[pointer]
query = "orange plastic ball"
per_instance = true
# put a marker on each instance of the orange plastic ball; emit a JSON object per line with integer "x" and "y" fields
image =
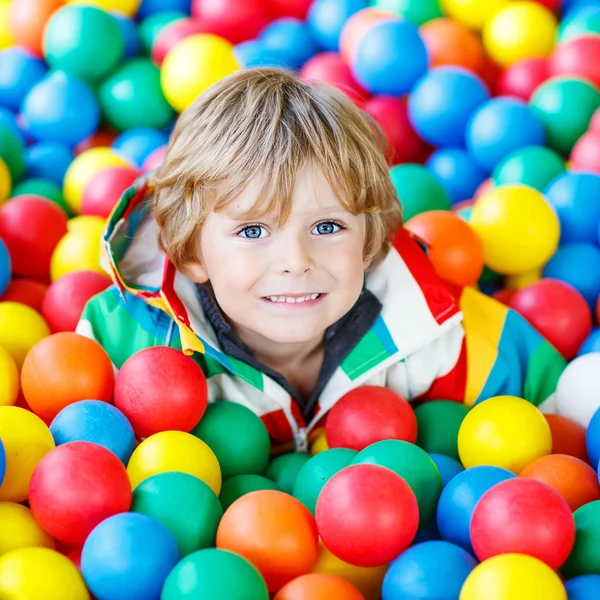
{"x": 450, "y": 43}
{"x": 62, "y": 369}
{"x": 455, "y": 250}
{"x": 568, "y": 437}
{"x": 318, "y": 586}
{"x": 573, "y": 479}
{"x": 27, "y": 20}
{"x": 275, "y": 532}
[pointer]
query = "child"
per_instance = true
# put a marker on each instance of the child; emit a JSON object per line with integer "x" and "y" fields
{"x": 262, "y": 249}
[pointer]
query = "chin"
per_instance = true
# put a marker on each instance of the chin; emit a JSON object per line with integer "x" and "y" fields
{"x": 294, "y": 336}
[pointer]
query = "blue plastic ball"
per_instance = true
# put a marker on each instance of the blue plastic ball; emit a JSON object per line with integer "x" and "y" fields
{"x": 579, "y": 265}
{"x": 2, "y": 462}
{"x": 434, "y": 569}
{"x": 447, "y": 466}
{"x": 97, "y": 422}
{"x": 19, "y": 72}
{"x": 501, "y": 126}
{"x": 9, "y": 120}
{"x": 151, "y": 7}
{"x": 592, "y": 440}
{"x": 592, "y": 343}
{"x": 458, "y": 500}
{"x": 574, "y": 197}
{"x": 253, "y": 53}
{"x": 138, "y": 143}
{"x": 128, "y": 555}
{"x": 61, "y": 108}
{"x": 291, "y": 39}
{"x": 131, "y": 36}
{"x": 5, "y": 267}
{"x": 48, "y": 160}
{"x": 584, "y": 587}
{"x": 442, "y": 102}
{"x": 326, "y": 19}
{"x": 457, "y": 172}
{"x": 390, "y": 58}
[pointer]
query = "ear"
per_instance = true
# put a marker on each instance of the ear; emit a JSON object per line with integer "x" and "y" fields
{"x": 196, "y": 272}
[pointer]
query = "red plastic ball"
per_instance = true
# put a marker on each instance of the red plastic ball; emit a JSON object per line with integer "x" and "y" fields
{"x": 234, "y": 20}
{"x": 522, "y": 78}
{"x": 523, "y": 516}
{"x": 75, "y": 487}
{"x": 103, "y": 137}
{"x": 289, "y": 8}
{"x": 67, "y": 296}
{"x": 595, "y": 122}
{"x": 558, "y": 311}
{"x": 25, "y": 291}
{"x": 161, "y": 389}
{"x": 154, "y": 159}
{"x": 171, "y": 35}
{"x": 579, "y": 57}
{"x": 391, "y": 114}
{"x": 330, "y": 68}
{"x": 31, "y": 226}
{"x": 370, "y": 414}
{"x": 504, "y": 295}
{"x": 585, "y": 155}
{"x": 367, "y": 515}
{"x": 105, "y": 188}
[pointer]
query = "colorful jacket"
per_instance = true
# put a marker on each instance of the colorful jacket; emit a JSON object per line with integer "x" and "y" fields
{"x": 423, "y": 344}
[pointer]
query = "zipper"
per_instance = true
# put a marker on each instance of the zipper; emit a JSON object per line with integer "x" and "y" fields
{"x": 301, "y": 439}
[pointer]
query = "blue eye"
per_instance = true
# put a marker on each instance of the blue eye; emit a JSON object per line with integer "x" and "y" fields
{"x": 327, "y": 228}
{"x": 252, "y": 232}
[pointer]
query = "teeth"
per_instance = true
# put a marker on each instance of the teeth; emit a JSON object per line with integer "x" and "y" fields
{"x": 291, "y": 300}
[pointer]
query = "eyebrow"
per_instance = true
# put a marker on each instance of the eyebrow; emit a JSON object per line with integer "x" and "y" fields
{"x": 247, "y": 215}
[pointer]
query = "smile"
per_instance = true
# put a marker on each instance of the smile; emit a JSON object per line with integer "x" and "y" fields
{"x": 293, "y": 299}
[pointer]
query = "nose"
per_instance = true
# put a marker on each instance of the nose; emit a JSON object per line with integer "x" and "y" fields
{"x": 295, "y": 255}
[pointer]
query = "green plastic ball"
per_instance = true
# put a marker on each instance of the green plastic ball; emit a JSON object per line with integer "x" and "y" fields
{"x": 535, "y": 166}
{"x": 237, "y": 436}
{"x": 132, "y": 97}
{"x": 418, "y": 190}
{"x": 213, "y": 574}
{"x": 414, "y": 465}
{"x": 153, "y": 26}
{"x": 585, "y": 555}
{"x": 284, "y": 469}
{"x": 565, "y": 105}
{"x": 84, "y": 41}
{"x": 438, "y": 424}
{"x": 236, "y": 487}
{"x": 45, "y": 189}
{"x": 317, "y": 471}
{"x": 578, "y": 24}
{"x": 12, "y": 153}
{"x": 185, "y": 504}
{"x": 416, "y": 11}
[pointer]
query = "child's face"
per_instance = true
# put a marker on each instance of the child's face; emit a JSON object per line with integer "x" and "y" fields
{"x": 256, "y": 268}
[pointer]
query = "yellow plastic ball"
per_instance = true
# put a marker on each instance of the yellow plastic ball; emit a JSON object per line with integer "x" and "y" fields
{"x": 21, "y": 328}
{"x": 319, "y": 444}
{"x": 504, "y": 431}
{"x": 83, "y": 169}
{"x": 520, "y": 30}
{"x": 517, "y": 282}
{"x": 126, "y": 7}
{"x": 79, "y": 248}
{"x": 6, "y": 39}
{"x": 40, "y": 574}
{"x": 518, "y": 228}
{"x": 26, "y": 441}
{"x": 174, "y": 451}
{"x": 193, "y": 65}
{"x": 513, "y": 577}
{"x": 5, "y": 182}
{"x": 9, "y": 379}
{"x": 472, "y": 13}
{"x": 19, "y": 529}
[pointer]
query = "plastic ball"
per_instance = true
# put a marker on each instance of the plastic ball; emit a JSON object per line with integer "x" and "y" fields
{"x": 40, "y": 573}
{"x": 130, "y": 35}
{"x": 290, "y": 8}
{"x": 576, "y": 392}
{"x": 418, "y": 189}
{"x": 591, "y": 343}
{"x": 577, "y": 264}
{"x": 97, "y": 422}
{"x": 499, "y": 127}
{"x": 75, "y": 487}
{"x": 27, "y": 20}
{"x": 193, "y": 65}
{"x": 472, "y": 13}
{"x": 577, "y": 58}
{"x": 534, "y": 166}
{"x": 579, "y": 23}
{"x": 455, "y": 250}
{"x": 18, "y": 529}
{"x": 20, "y": 72}
{"x": 172, "y": 35}
{"x": 103, "y": 137}
{"x": 504, "y": 431}
{"x": 6, "y": 39}
{"x": 60, "y": 108}
{"x": 316, "y": 472}
{"x": 442, "y": 102}
{"x": 152, "y": 7}
{"x": 355, "y": 28}
{"x": 558, "y": 311}
{"x": 513, "y": 577}
{"x": 414, "y": 466}
{"x": 215, "y": 574}
{"x": 151, "y": 27}
{"x": 154, "y": 160}
{"x": 584, "y": 587}
{"x": 565, "y": 105}
{"x": 5, "y": 182}
{"x": 585, "y": 155}
{"x": 367, "y": 415}
{"x": 104, "y": 190}
{"x": 127, "y": 7}
{"x": 5, "y": 267}
{"x": 240, "y": 485}
{"x": 327, "y": 18}
{"x": 284, "y": 469}
{"x": 522, "y": 78}
{"x": 274, "y": 531}
{"x": 42, "y": 188}
{"x": 592, "y": 440}
{"x": 11, "y": 153}
{"x": 132, "y": 97}
{"x": 254, "y": 53}
{"x": 359, "y": 529}
{"x": 568, "y": 437}
{"x": 62, "y": 369}
{"x": 174, "y": 451}
{"x": 291, "y": 39}
{"x": 21, "y": 328}
{"x": 434, "y": 569}
{"x": 448, "y": 468}
{"x": 128, "y": 555}
{"x": 416, "y": 11}
{"x": 518, "y": 228}
{"x": 389, "y": 58}
{"x": 9, "y": 380}
{"x": 585, "y": 556}
{"x": 318, "y": 586}
{"x": 136, "y": 144}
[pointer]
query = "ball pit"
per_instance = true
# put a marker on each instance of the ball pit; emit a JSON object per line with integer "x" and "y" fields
{"x": 239, "y": 485}
{"x": 19, "y": 529}
{"x": 318, "y": 586}
{"x": 284, "y": 469}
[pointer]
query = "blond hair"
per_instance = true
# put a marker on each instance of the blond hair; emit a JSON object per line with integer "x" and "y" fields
{"x": 269, "y": 123}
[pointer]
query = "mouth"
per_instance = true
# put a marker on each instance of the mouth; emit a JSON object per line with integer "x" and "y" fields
{"x": 294, "y": 299}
